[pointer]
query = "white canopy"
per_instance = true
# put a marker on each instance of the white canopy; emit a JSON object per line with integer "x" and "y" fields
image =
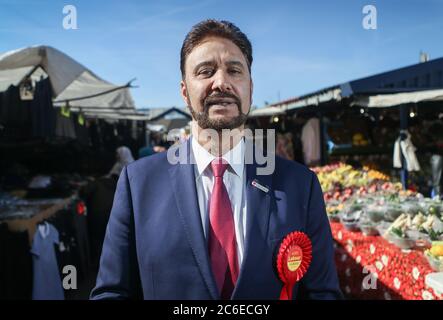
{"x": 395, "y": 99}
{"x": 13, "y": 77}
{"x": 266, "y": 111}
{"x": 69, "y": 80}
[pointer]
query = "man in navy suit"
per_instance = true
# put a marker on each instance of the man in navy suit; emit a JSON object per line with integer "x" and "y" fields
{"x": 209, "y": 227}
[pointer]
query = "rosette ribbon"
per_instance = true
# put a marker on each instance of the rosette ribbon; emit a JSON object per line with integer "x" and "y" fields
{"x": 293, "y": 260}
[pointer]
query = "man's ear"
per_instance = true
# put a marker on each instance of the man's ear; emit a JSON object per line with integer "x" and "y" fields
{"x": 184, "y": 93}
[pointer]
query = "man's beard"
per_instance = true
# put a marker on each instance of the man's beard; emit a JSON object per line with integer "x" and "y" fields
{"x": 205, "y": 122}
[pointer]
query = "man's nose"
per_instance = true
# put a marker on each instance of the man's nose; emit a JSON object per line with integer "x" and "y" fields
{"x": 221, "y": 82}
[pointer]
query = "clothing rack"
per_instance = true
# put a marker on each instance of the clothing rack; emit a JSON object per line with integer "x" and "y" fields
{"x": 30, "y": 224}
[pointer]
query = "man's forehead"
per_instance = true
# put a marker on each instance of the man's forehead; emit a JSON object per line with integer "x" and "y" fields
{"x": 212, "y": 48}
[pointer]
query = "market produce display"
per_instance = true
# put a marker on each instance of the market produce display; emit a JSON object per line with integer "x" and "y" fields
{"x": 369, "y": 267}
{"x": 435, "y": 255}
{"x": 367, "y": 205}
{"x": 341, "y": 175}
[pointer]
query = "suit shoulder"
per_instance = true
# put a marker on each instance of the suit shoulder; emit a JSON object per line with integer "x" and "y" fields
{"x": 156, "y": 161}
{"x": 284, "y": 167}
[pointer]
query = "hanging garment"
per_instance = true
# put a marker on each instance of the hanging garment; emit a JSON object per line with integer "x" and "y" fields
{"x": 15, "y": 114}
{"x": 43, "y": 112}
{"x": 310, "y": 137}
{"x": 436, "y": 167}
{"x": 47, "y": 284}
{"x": 64, "y": 126}
{"x": 406, "y": 148}
{"x": 94, "y": 133}
{"x": 74, "y": 239}
{"x": 11, "y": 105}
{"x": 81, "y": 129}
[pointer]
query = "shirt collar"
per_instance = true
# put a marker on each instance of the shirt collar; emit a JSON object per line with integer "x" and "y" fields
{"x": 235, "y": 157}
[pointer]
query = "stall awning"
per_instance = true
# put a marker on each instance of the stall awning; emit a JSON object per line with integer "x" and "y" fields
{"x": 266, "y": 112}
{"x": 396, "y": 99}
{"x": 116, "y": 116}
{"x": 327, "y": 95}
{"x": 332, "y": 94}
{"x": 69, "y": 79}
{"x": 13, "y": 77}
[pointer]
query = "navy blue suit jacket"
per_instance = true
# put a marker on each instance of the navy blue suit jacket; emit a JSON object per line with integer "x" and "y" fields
{"x": 155, "y": 246}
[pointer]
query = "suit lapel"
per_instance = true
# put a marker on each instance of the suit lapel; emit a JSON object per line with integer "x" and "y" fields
{"x": 258, "y": 211}
{"x": 183, "y": 184}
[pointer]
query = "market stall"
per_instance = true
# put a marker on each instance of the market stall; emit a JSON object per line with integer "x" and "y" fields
{"x": 60, "y": 126}
{"x": 50, "y": 101}
{"x": 38, "y": 240}
{"x": 362, "y": 122}
{"x": 388, "y": 240}
{"x": 369, "y": 267}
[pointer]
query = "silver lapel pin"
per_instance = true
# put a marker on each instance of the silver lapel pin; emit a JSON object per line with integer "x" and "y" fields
{"x": 256, "y": 184}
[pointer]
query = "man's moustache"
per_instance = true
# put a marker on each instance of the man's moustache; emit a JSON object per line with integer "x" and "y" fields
{"x": 214, "y": 99}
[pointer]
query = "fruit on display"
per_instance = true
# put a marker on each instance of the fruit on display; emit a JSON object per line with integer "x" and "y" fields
{"x": 404, "y": 217}
{"x": 399, "y": 226}
{"x": 437, "y": 249}
{"x": 376, "y": 175}
{"x": 364, "y": 203}
{"x": 338, "y": 195}
{"x": 435, "y": 255}
{"x": 336, "y": 188}
{"x": 334, "y": 209}
{"x": 344, "y": 176}
{"x": 418, "y": 226}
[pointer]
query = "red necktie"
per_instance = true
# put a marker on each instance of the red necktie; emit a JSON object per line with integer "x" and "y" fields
{"x": 222, "y": 242}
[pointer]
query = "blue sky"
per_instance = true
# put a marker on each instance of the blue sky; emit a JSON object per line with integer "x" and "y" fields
{"x": 299, "y": 46}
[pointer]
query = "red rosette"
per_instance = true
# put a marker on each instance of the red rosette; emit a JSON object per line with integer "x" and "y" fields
{"x": 293, "y": 260}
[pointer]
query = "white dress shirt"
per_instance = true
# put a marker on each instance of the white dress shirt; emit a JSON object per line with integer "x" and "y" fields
{"x": 235, "y": 181}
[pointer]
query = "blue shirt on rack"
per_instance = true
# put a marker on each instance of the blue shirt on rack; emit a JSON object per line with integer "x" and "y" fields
{"x": 47, "y": 284}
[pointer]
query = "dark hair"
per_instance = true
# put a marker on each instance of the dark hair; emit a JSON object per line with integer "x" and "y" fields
{"x": 210, "y": 27}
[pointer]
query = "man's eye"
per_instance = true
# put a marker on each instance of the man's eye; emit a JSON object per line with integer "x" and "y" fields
{"x": 235, "y": 71}
{"x": 206, "y": 72}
